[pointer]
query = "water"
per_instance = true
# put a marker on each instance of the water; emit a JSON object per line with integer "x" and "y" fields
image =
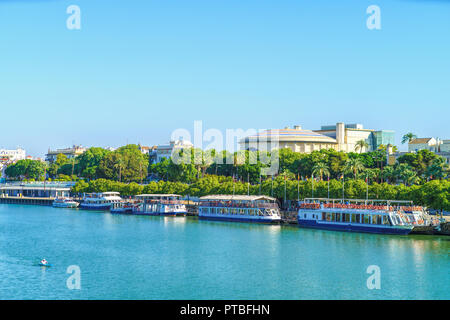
{"x": 137, "y": 257}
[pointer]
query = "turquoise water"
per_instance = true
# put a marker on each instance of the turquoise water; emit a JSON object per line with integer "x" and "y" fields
{"x": 137, "y": 257}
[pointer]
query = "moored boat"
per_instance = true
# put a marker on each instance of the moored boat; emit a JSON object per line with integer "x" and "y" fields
{"x": 261, "y": 209}
{"x": 160, "y": 205}
{"x": 65, "y": 203}
{"x": 125, "y": 207}
{"x": 371, "y": 216}
{"x": 100, "y": 201}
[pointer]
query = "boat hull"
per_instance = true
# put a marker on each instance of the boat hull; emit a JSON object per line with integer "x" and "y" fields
{"x": 354, "y": 228}
{"x": 121, "y": 211}
{"x": 105, "y": 207}
{"x": 166, "y": 214}
{"x": 65, "y": 205}
{"x": 240, "y": 219}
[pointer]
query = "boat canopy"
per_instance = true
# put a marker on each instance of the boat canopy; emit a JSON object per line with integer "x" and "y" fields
{"x": 235, "y": 198}
{"x": 156, "y": 195}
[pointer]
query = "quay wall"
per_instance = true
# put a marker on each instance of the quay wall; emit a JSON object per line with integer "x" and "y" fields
{"x": 27, "y": 200}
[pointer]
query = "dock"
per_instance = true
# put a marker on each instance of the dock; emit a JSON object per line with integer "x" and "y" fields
{"x": 39, "y": 201}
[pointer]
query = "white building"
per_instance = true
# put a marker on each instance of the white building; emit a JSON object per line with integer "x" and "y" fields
{"x": 417, "y": 144}
{"x": 12, "y": 155}
{"x": 70, "y": 153}
{"x": 165, "y": 151}
{"x": 445, "y": 146}
{"x": 340, "y": 137}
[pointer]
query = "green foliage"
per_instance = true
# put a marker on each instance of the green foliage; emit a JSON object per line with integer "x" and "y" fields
{"x": 26, "y": 169}
{"x": 125, "y": 164}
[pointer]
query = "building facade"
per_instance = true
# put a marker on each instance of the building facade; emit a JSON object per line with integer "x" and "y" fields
{"x": 70, "y": 153}
{"x": 417, "y": 144}
{"x": 12, "y": 155}
{"x": 161, "y": 152}
{"x": 339, "y": 137}
{"x": 296, "y": 139}
{"x": 348, "y": 135}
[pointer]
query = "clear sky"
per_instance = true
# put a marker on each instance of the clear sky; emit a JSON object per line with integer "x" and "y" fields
{"x": 139, "y": 69}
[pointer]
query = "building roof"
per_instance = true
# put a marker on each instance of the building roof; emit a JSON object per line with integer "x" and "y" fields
{"x": 290, "y": 135}
{"x": 227, "y": 197}
{"x": 420, "y": 141}
{"x": 156, "y": 195}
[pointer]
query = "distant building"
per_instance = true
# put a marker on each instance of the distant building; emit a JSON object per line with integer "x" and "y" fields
{"x": 445, "y": 146}
{"x": 161, "y": 152}
{"x": 417, "y": 144}
{"x": 339, "y": 137}
{"x": 70, "y": 153}
{"x": 147, "y": 150}
{"x": 296, "y": 139}
{"x": 347, "y": 135}
{"x": 440, "y": 147}
{"x": 12, "y": 155}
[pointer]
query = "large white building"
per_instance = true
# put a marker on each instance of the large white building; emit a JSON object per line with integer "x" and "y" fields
{"x": 70, "y": 153}
{"x": 12, "y": 155}
{"x": 165, "y": 151}
{"x": 340, "y": 137}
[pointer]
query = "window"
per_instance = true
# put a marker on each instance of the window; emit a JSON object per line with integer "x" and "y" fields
{"x": 338, "y": 217}
{"x": 366, "y": 219}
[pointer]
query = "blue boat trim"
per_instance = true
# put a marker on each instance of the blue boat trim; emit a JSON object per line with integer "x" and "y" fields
{"x": 380, "y": 229}
{"x": 263, "y": 221}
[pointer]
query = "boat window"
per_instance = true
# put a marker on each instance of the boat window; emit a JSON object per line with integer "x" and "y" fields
{"x": 333, "y": 217}
{"x": 366, "y": 219}
{"x": 347, "y": 217}
{"x": 386, "y": 220}
{"x": 353, "y": 218}
{"x": 338, "y": 217}
{"x": 324, "y": 216}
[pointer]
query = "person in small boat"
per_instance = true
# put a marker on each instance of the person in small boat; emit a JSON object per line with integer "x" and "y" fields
{"x": 43, "y": 261}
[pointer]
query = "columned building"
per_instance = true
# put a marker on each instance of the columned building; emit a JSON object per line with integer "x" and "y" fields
{"x": 296, "y": 139}
{"x": 340, "y": 137}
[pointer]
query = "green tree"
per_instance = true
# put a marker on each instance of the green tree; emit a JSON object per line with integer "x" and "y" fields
{"x": 354, "y": 166}
{"x": 321, "y": 169}
{"x": 361, "y": 145}
{"x": 408, "y": 137}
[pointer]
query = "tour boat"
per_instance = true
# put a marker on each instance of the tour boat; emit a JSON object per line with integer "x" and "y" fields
{"x": 100, "y": 201}
{"x": 160, "y": 205}
{"x": 64, "y": 203}
{"x": 261, "y": 209}
{"x": 372, "y": 216}
{"x": 122, "y": 207}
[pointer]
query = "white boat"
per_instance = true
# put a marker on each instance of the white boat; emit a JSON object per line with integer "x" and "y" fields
{"x": 261, "y": 209}
{"x": 100, "y": 201}
{"x": 160, "y": 205}
{"x": 64, "y": 203}
{"x": 372, "y": 216}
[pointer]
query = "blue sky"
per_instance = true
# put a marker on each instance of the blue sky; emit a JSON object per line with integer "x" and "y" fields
{"x": 137, "y": 70}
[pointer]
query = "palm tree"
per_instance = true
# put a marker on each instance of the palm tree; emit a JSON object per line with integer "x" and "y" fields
{"x": 437, "y": 170}
{"x": 408, "y": 137}
{"x": 354, "y": 165}
{"x": 361, "y": 144}
{"x": 320, "y": 169}
{"x": 119, "y": 165}
{"x": 388, "y": 174}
